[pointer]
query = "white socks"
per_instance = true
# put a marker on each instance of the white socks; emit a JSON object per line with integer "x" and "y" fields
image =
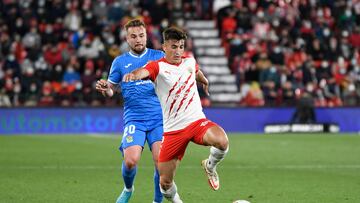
{"x": 171, "y": 194}
{"x": 129, "y": 189}
{"x": 216, "y": 155}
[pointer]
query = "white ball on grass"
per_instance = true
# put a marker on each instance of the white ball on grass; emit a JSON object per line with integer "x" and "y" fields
{"x": 241, "y": 201}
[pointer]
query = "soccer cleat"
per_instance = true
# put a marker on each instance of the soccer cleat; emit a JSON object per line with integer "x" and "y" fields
{"x": 124, "y": 196}
{"x": 213, "y": 177}
{"x": 177, "y": 199}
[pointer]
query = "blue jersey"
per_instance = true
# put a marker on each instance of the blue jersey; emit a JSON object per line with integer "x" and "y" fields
{"x": 140, "y": 100}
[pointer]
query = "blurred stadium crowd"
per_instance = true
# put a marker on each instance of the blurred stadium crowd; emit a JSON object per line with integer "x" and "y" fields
{"x": 52, "y": 51}
{"x": 282, "y": 50}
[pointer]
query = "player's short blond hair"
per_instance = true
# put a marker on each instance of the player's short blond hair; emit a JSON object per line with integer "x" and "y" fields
{"x": 134, "y": 23}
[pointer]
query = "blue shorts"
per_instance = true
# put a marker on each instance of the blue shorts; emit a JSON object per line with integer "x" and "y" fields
{"x": 137, "y": 132}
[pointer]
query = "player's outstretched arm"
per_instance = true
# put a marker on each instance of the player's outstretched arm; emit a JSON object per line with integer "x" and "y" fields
{"x": 105, "y": 88}
{"x": 137, "y": 74}
{"x": 200, "y": 77}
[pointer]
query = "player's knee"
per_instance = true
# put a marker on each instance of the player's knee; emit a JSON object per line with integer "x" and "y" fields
{"x": 165, "y": 183}
{"x": 130, "y": 163}
{"x": 222, "y": 143}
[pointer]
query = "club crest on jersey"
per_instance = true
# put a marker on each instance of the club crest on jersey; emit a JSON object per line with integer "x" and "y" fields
{"x": 129, "y": 139}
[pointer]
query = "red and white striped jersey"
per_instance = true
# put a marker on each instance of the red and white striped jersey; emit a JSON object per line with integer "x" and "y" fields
{"x": 175, "y": 86}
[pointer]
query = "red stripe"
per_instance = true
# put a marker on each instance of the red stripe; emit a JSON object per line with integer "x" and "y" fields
{"x": 190, "y": 101}
{"x": 182, "y": 101}
{"x": 178, "y": 92}
{"x": 184, "y": 85}
{"x": 172, "y": 89}
{"x": 171, "y": 106}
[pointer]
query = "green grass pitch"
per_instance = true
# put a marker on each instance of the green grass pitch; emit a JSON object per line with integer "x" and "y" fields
{"x": 293, "y": 168}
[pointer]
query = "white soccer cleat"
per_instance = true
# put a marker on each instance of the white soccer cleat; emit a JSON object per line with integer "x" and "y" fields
{"x": 177, "y": 199}
{"x": 213, "y": 177}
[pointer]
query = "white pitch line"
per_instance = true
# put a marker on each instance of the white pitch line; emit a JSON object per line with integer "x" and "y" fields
{"x": 106, "y": 136}
{"x": 60, "y": 167}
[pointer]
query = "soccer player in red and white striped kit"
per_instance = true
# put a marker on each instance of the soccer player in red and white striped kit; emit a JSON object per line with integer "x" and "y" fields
{"x": 175, "y": 80}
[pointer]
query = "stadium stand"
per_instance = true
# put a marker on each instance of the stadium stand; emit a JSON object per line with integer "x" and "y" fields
{"x": 280, "y": 50}
{"x": 255, "y": 53}
{"x": 212, "y": 60}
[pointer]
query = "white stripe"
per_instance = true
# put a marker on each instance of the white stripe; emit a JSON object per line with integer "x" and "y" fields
{"x": 113, "y": 82}
{"x": 107, "y": 136}
{"x": 138, "y": 56}
{"x": 57, "y": 167}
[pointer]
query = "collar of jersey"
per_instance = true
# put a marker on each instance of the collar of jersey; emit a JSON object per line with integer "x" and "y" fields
{"x": 138, "y": 56}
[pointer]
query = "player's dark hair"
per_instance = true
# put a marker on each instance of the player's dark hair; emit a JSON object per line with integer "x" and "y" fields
{"x": 134, "y": 23}
{"x": 174, "y": 33}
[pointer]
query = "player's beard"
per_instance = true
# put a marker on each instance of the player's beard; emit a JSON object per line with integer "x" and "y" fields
{"x": 138, "y": 49}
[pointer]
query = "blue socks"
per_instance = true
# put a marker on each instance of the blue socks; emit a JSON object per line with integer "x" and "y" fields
{"x": 157, "y": 193}
{"x": 128, "y": 175}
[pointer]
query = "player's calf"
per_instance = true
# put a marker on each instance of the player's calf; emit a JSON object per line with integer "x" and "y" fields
{"x": 171, "y": 193}
{"x": 216, "y": 155}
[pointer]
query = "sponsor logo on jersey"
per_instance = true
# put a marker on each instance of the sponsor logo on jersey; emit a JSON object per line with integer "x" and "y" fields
{"x": 128, "y": 65}
{"x": 143, "y": 82}
{"x": 129, "y": 139}
{"x": 204, "y": 123}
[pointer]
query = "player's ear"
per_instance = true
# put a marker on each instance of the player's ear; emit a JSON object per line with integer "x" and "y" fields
{"x": 164, "y": 46}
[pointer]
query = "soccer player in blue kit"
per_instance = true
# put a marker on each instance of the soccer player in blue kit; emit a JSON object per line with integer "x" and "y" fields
{"x": 142, "y": 111}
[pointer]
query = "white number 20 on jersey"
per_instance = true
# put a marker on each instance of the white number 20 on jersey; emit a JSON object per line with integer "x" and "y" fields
{"x": 129, "y": 129}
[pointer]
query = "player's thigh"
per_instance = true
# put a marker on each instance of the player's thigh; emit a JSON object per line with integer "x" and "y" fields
{"x": 132, "y": 154}
{"x": 155, "y": 133}
{"x": 155, "y": 148}
{"x": 167, "y": 170}
{"x": 216, "y": 136}
{"x": 133, "y": 140}
{"x": 154, "y": 137}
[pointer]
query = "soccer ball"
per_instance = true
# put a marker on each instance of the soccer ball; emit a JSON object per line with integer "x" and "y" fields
{"x": 241, "y": 201}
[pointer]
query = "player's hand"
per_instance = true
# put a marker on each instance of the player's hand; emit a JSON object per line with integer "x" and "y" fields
{"x": 129, "y": 77}
{"x": 102, "y": 86}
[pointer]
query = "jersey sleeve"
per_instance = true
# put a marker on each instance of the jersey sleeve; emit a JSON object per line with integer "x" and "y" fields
{"x": 153, "y": 68}
{"x": 115, "y": 73}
